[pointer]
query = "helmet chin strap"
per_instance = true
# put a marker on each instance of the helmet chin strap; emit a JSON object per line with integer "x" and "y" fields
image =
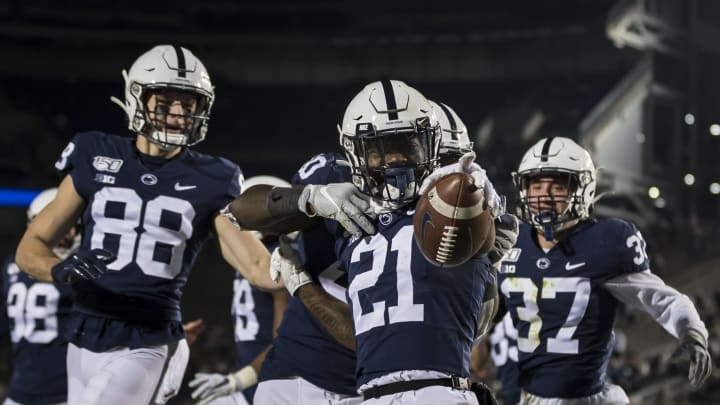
{"x": 546, "y": 220}
{"x": 399, "y": 182}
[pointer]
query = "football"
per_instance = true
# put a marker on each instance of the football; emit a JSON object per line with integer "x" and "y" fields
{"x": 450, "y": 222}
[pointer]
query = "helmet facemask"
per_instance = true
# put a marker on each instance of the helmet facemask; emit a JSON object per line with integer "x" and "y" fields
{"x": 391, "y": 164}
{"x": 545, "y": 212}
{"x": 174, "y": 117}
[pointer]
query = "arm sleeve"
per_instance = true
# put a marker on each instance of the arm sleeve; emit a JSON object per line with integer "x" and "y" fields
{"x": 671, "y": 309}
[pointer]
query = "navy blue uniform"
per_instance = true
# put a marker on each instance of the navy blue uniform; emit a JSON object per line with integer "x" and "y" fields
{"x": 36, "y": 311}
{"x": 154, "y": 215}
{"x": 563, "y": 315}
{"x": 253, "y": 314}
{"x": 504, "y": 353}
{"x": 303, "y": 347}
{"x": 408, "y": 313}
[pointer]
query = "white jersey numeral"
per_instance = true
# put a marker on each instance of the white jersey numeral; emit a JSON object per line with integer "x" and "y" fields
{"x": 243, "y": 310}
{"x": 405, "y": 310}
{"x": 26, "y": 306}
{"x": 563, "y": 342}
{"x": 502, "y": 349}
{"x": 311, "y": 166}
{"x": 146, "y": 226}
{"x": 637, "y": 243}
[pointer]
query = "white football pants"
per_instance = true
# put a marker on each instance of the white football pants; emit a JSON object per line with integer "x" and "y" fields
{"x": 118, "y": 377}
{"x": 296, "y": 391}
{"x": 610, "y": 395}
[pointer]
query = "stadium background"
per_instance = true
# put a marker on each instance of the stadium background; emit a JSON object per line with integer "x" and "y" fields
{"x": 634, "y": 81}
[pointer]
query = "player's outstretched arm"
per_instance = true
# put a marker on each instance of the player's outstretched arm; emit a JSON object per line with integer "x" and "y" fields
{"x": 34, "y": 253}
{"x": 245, "y": 253}
{"x": 261, "y": 208}
{"x": 280, "y": 210}
{"x": 674, "y": 311}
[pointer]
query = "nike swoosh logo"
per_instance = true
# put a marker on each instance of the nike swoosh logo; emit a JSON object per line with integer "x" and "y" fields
{"x": 426, "y": 220}
{"x": 178, "y": 187}
{"x": 569, "y": 266}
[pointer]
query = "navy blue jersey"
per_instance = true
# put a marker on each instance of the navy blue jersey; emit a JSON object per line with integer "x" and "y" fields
{"x": 504, "y": 354}
{"x": 408, "y": 313}
{"x": 36, "y": 311}
{"x": 563, "y": 315}
{"x": 155, "y": 220}
{"x": 303, "y": 347}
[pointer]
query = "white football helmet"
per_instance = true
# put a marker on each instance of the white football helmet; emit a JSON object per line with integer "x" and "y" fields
{"x": 71, "y": 241}
{"x": 391, "y": 137}
{"x": 557, "y": 156}
{"x": 167, "y": 67}
{"x": 455, "y": 141}
{"x": 267, "y": 180}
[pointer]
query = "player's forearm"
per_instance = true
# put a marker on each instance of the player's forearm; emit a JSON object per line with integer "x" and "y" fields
{"x": 671, "y": 309}
{"x": 34, "y": 257}
{"x": 247, "y": 255}
{"x": 271, "y": 210}
{"x": 332, "y": 313}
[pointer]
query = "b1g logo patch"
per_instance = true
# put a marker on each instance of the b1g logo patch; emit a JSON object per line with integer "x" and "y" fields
{"x": 107, "y": 164}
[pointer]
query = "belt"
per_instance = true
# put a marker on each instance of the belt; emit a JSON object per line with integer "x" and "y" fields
{"x": 458, "y": 383}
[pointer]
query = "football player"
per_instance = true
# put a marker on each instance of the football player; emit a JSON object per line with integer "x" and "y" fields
{"x": 256, "y": 315}
{"x": 312, "y": 359}
{"x": 414, "y": 323}
{"x": 566, "y": 275}
{"x": 36, "y": 311}
{"x": 148, "y": 204}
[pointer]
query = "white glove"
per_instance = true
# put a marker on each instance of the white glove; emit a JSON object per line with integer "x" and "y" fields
{"x": 212, "y": 386}
{"x": 693, "y": 347}
{"x": 342, "y": 202}
{"x": 466, "y": 164}
{"x": 285, "y": 264}
{"x": 506, "y": 233}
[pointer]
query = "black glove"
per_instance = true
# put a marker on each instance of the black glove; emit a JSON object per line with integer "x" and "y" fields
{"x": 483, "y": 393}
{"x": 82, "y": 266}
{"x": 693, "y": 347}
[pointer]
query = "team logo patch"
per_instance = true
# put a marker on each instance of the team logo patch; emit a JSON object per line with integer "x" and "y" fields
{"x": 104, "y": 178}
{"x": 386, "y": 218}
{"x": 149, "y": 179}
{"x": 543, "y": 263}
{"x": 107, "y": 164}
{"x": 512, "y": 255}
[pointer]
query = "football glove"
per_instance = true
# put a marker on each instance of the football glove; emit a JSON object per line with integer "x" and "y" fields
{"x": 693, "y": 347}
{"x": 506, "y": 233}
{"x": 209, "y": 387}
{"x": 342, "y": 202}
{"x": 285, "y": 264}
{"x": 466, "y": 164}
{"x": 82, "y": 265}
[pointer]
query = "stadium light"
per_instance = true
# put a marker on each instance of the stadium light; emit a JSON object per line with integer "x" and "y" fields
{"x": 653, "y": 192}
{"x": 714, "y": 129}
{"x": 689, "y": 119}
{"x": 689, "y": 179}
{"x": 715, "y": 188}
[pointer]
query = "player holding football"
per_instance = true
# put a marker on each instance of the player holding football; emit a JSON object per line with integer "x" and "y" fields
{"x": 565, "y": 277}
{"x": 148, "y": 204}
{"x": 394, "y": 149}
